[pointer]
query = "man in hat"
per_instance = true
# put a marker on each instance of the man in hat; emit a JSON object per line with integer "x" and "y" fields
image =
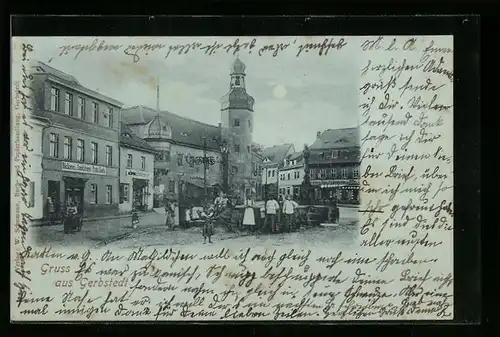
{"x": 272, "y": 209}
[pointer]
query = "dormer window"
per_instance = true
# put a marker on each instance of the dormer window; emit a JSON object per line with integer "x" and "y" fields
{"x": 184, "y": 134}
{"x": 126, "y": 135}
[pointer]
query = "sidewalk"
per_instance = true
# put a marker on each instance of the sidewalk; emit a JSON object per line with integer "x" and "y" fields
{"x": 44, "y": 222}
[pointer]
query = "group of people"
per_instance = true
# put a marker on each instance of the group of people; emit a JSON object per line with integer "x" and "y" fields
{"x": 284, "y": 214}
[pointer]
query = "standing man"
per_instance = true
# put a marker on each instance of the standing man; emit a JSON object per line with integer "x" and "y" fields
{"x": 169, "y": 214}
{"x": 272, "y": 208}
{"x": 289, "y": 207}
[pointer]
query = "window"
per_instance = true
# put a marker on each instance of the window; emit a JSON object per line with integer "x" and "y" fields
{"x": 333, "y": 173}
{"x": 343, "y": 173}
{"x": 355, "y": 172}
{"x": 234, "y": 169}
{"x": 80, "y": 150}
{"x": 93, "y": 193}
{"x": 54, "y": 145}
{"x": 249, "y": 123}
{"x": 81, "y": 107}
{"x": 171, "y": 186}
{"x": 272, "y": 173}
{"x": 236, "y": 148}
{"x": 335, "y": 154}
{"x": 322, "y": 173}
{"x": 236, "y": 122}
{"x": 143, "y": 163}
{"x": 288, "y": 176}
{"x": 268, "y": 173}
{"x": 68, "y": 148}
{"x": 68, "y": 104}
{"x": 54, "y": 99}
{"x": 248, "y": 149}
{"x": 110, "y": 117}
{"x": 237, "y": 81}
{"x": 109, "y": 155}
{"x": 179, "y": 159}
{"x": 312, "y": 173}
{"x": 95, "y": 153}
{"x": 31, "y": 194}
{"x": 129, "y": 161}
{"x": 124, "y": 193}
{"x": 109, "y": 194}
{"x": 288, "y": 190}
{"x": 95, "y": 112}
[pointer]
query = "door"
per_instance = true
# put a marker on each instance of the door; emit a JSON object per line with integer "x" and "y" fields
{"x": 54, "y": 190}
{"x": 75, "y": 194}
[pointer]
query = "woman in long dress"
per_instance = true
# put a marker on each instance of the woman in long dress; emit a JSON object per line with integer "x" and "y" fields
{"x": 249, "y": 215}
{"x": 208, "y": 230}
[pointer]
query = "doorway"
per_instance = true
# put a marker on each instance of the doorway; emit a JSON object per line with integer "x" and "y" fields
{"x": 140, "y": 193}
{"x": 74, "y": 191}
{"x": 54, "y": 193}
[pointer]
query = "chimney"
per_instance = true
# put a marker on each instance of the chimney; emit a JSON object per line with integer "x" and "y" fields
{"x": 318, "y": 134}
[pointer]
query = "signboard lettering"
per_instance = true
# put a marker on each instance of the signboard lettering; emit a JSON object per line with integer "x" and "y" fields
{"x": 83, "y": 168}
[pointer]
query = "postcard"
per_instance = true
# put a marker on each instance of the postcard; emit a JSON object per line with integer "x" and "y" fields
{"x": 266, "y": 178}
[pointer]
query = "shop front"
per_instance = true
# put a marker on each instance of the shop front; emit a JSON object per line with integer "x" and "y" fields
{"x": 342, "y": 191}
{"x": 135, "y": 190}
{"x": 92, "y": 187}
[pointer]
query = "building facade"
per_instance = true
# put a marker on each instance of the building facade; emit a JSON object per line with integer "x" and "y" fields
{"x": 291, "y": 175}
{"x": 334, "y": 164}
{"x": 80, "y": 145}
{"x": 35, "y": 198}
{"x": 273, "y": 161}
{"x": 136, "y": 172}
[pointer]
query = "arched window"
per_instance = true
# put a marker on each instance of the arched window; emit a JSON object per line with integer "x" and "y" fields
{"x": 237, "y": 81}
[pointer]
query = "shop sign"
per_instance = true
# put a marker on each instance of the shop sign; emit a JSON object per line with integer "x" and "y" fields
{"x": 83, "y": 168}
{"x": 137, "y": 173}
{"x": 334, "y": 183}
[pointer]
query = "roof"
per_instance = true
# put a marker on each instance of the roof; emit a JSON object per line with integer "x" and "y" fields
{"x": 294, "y": 156}
{"x": 158, "y": 128}
{"x": 184, "y": 130}
{"x": 238, "y": 98}
{"x": 238, "y": 67}
{"x": 276, "y": 153}
{"x": 128, "y": 138}
{"x": 337, "y": 138}
{"x": 70, "y": 80}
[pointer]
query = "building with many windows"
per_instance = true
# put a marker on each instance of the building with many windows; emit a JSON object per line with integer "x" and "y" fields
{"x": 195, "y": 160}
{"x": 273, "y": 161}
{"x": 291, "y": 175}
{"x": 80, "y": 145}
{"x": 136, "y": 172}
{"x": 334, "y": 165}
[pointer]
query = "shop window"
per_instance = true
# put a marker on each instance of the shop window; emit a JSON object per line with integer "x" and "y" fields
{"x": 129, "y": 160}
{"x": 55, "y": 99}
{"x": 124, "y": 193}
{"x": 93, "y": 193}
{"x": 68, "y": 148}
{"x": 54, "y": 145}
{"x": 109, "y": 194}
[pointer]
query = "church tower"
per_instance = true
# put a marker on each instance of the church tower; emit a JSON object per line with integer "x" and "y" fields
{"x": 237, "y": 127}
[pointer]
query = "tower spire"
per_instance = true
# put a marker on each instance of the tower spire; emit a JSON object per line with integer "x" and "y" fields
{"x": 158, "y": 96}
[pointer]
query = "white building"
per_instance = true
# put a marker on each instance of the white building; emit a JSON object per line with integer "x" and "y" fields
{"x": 273, "y": 159}
{"x": 291, "y": 175}
{"x": 35, "y": 198}
{"x": 136, "y": 172}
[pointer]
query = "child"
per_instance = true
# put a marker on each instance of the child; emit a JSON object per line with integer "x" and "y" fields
{"x": 208, "y": 229}
{"x": 135, "y": 219}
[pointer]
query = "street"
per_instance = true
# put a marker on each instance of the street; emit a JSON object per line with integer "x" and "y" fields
{"x": 118, "y": 233}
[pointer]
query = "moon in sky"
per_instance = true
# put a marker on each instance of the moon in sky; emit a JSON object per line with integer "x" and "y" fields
{"x": 279, "y": 91}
